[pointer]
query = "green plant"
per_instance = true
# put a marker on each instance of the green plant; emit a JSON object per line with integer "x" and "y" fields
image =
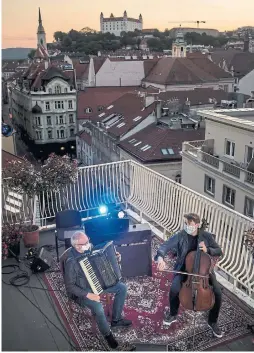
{"x": 249, "y": 240}
{"x": 30, "y": 180}
{"x": 11, "y": 235}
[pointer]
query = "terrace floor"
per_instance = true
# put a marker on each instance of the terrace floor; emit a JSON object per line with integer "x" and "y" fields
{"x": 26, "y": 312}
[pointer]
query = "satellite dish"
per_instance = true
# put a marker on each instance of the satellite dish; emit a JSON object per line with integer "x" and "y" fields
{"x": 7, "y": 130}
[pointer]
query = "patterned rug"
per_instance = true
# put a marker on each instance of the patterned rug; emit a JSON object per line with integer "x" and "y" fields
{"x": 145, "y": 305}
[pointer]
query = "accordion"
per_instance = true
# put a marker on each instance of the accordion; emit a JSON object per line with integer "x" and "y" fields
{"x": 101, "y": 267}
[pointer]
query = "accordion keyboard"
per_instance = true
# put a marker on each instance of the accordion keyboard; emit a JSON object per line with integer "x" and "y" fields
{"x": 91, "y": 277}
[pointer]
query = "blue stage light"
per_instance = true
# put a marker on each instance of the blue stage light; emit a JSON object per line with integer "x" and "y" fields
{"x": 103, "y": 210}
{"x": 121, "y": 214}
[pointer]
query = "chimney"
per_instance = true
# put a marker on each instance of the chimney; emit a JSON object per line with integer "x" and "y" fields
{"x": 149, "y": 100}
{"x": 252, "y": 94}
{"x": 158, "y": 109}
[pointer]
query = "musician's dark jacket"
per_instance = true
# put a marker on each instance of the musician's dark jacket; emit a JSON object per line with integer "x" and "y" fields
{"x": 76, "y": 284}
{"x": 178, "y": 243}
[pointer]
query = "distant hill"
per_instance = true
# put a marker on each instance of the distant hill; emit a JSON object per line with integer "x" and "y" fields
{"x": 15, "y": 53}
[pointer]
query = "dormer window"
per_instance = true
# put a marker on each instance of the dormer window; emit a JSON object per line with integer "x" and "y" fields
{"x": 57, "y": 89}
{"x": 50, "y": 90}
{"x": 65, "y": 90}
{"x": 88, "y": 110}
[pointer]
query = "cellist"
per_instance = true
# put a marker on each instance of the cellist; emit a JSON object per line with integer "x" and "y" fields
{"x": 181, "y": 243}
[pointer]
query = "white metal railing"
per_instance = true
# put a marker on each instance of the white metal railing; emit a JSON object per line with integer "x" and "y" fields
{"x": 162, "y": 201}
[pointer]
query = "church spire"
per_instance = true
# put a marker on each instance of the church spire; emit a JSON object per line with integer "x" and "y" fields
{"x": 40, "y": 21}
{"x": 41, "y": 35}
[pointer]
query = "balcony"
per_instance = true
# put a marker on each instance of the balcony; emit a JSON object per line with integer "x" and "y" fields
{"x": 147, "y": 197}
{"x": 193, "y": 149}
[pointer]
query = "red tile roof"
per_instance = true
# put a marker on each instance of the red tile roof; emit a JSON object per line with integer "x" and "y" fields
{"x": 130, "y": 106}
{"x": 159, "y": 138}
{"x": 7, "y": 157}
{"x": 242, "y": 62}
{"x": 95, "y": 97}
{"x": 171, "y": 71}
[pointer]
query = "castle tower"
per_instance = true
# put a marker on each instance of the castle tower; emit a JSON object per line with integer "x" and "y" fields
{"x": 140, "y": 18}
{"x": 179, "y": 46}
{"x": 125, "y": 14}
{"x": 101, "y": 21}
{"x": 41, "y": 35}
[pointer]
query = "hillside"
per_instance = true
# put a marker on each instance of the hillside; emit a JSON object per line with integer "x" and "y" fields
{"x": 15, "y": 53}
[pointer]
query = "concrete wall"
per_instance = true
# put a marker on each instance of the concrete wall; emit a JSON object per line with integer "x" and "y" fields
{"x": 246, "y": 84}
{"x": 120, "y": 73}
{"x": 221, "y": 132}
{"x": 193, "y": 176}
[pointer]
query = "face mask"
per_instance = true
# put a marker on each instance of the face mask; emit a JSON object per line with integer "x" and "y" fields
{"x": 189, "y": 229}
{"x": 85, "y": 247}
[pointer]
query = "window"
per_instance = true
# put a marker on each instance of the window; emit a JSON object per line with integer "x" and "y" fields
{"x": 166, "y": 151}
{"x": 71, "y": 120}
{"x": 209, "y": 185}
{"x": 72, "y": 132}
{"x": 38, "y": 135}
{"x": 228, "y": 197}
{"x": 65, "y": 90}
{"x": 57, "y": 89}
{"x": 37, "y": 120}
{"x": 230, "y": 148}
{"x": 47, "y": 106}
{"x": 61, "y": 119}
{"x": 59, "y": 104}
{"x": 100, "y": 108}
{"x": 70, "y": 106}
{"x": 49, "y": 120}
{"x": 60, "y": 134}
{"x": 50, "y": 134}
{"x": 249, "y": 207}
{"x": 88, "y": 110}
{"x": 50, "y": 91}
{"x": 249, "y": 154}
{"x": 56, "y": 120}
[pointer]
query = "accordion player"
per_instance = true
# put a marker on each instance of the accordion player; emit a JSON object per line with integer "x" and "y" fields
{"x": 101, "y": 267}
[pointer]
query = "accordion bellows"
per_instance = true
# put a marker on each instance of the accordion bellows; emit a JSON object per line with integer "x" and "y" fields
{"x": 101, "y": 267}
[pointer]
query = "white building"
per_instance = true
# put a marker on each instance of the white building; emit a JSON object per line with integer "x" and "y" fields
{"x": 43, "y": 103}
{"x": 246, "y": 84}
{"x": 220, "y": 167}
{"x": 116, "y": 25}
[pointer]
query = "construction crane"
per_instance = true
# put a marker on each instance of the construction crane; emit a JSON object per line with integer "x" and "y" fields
{"x": 180, "y": 25}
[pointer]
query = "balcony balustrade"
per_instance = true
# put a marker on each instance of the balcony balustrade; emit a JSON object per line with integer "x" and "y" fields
{"x": 152, "y": 196}
{"x": 221, "y": 165}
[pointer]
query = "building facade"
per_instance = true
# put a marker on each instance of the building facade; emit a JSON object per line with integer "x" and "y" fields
{"x": 221, "y": 166}
{"x": 116, "y": 25}
{"x": 43, "y": 104}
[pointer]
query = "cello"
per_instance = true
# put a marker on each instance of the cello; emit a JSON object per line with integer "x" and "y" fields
{"x": 196, "y": 293}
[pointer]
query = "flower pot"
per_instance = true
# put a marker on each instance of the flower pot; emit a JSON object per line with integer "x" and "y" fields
{"x": 14, "y": 249}
{"x": 31, "y": 238}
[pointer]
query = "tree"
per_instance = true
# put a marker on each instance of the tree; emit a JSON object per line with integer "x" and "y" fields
{"x": 59, "y": 36}
{"x": 67, "y": 41}
{"x": 31, "y": 54}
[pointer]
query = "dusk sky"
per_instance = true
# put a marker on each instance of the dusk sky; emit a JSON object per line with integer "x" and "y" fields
{"x": 20, "y": 17}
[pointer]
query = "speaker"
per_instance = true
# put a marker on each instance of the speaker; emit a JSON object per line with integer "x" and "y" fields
{"x": 98, "y": 229}
{"x": 42, "y": 261}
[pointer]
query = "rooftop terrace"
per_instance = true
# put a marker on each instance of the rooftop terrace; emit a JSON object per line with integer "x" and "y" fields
{"x": 147, "y": 197}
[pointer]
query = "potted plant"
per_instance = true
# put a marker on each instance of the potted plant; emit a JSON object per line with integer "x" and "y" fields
{"x": 11, "y": 236}
{"x": 32, "y": 181}
{"x": 249, "y": 240}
